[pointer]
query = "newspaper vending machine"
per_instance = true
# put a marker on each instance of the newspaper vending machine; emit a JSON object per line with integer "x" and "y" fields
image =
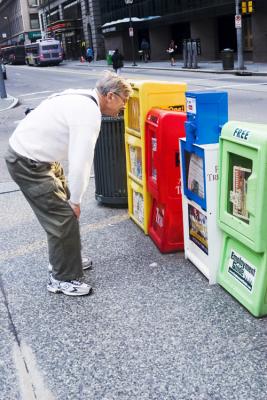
{"x": 243, "y": 214}
{"x": 206, "y": 113}
{"x": 146, "y": 94}
{"x": 163, "y": 130}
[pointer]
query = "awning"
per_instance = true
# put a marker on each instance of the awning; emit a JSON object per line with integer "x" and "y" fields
{"x": 127, "y": 20}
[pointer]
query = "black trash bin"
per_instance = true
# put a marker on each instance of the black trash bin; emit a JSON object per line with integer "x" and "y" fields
{"x": 110, "y": 163}
{"x": 228, "y": 58}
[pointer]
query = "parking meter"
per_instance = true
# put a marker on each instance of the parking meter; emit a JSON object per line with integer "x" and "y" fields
{"x": 185, "y": 53}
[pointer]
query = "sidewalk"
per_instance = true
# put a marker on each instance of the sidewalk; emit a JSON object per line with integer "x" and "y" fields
{"x": 215, "y": 67}
{"x": 7, "y": 103}
{"x": 154, "y": 329}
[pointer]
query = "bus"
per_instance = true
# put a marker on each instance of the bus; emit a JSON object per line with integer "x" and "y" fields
{"x": 13, "y": 54}
{"x": 44, "y": 52}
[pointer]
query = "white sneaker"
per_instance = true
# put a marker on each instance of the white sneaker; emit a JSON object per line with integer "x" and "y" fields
{"x": 70, "y": 288}
{"x": 87, "y": 263}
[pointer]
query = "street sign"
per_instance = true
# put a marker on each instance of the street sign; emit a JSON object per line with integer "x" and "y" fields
{"x": 238, "y": 21}
{"x": 131, "y": 32}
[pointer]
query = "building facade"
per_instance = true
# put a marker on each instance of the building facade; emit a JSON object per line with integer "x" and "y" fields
{"x": 212, "y": 22}
{"x": 19, "y": 22}
{"x": 104, "y": 25}
{"x": 75, "y": 23}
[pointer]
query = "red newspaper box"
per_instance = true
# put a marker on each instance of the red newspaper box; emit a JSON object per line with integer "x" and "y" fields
{"x": 163, "y": 130}
{"x": 166, "y": 226}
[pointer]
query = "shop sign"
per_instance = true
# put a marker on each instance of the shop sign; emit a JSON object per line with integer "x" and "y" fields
{"x": 34, "y": 35}
{"x": 64, "y": 25}
{"x": 111, "y": 29}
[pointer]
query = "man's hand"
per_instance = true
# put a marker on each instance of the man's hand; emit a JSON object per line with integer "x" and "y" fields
{"x": 76, "y": 209}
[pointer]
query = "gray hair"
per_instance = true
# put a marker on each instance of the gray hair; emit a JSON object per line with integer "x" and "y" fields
{"x": 112, "y": 82}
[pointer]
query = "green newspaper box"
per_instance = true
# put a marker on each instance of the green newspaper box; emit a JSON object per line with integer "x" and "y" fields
{"x": 242, "y": 213}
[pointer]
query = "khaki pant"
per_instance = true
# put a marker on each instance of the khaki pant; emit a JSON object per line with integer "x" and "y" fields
{"x": 44, "y": 187}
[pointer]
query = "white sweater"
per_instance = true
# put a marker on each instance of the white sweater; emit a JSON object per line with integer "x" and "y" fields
{"x": 62, "y": 128}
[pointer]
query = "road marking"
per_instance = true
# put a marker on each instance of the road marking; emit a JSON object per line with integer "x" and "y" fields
{"x": 31, "y": 94}
{"x": 65, "y": 71}
{"x": 34, "y": 98}
{"x": 229, "y": 86}
{"x": 32, "y": 385}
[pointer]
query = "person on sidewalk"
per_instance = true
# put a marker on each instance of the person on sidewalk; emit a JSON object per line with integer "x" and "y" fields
{"x": 171, "y": 50}
{"x": 65, "y": 126}
{"x": 89, "y": 54}
{"x": 145, "y": 49}
{"x": 117, "y": 61}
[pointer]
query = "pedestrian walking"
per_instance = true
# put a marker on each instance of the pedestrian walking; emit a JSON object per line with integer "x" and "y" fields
{"x": 171, "y": 50}
{"x": 65, "y": 126}
{"x": 117, "y": 61}
{"x": 89, "y": 54}
{"x": 145, "y": 49}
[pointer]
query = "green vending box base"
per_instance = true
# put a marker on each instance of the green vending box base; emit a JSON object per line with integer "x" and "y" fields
{"x": 243, "y": 273}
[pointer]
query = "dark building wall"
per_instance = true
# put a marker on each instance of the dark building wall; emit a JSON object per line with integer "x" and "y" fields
{"x": 259, "y": 32}
{"x": 159, "y": 40}
{"x": 206, "y": 31}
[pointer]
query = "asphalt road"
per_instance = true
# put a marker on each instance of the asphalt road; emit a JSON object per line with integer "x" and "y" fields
{"x": 154, "y": 329}
{"x": 247, "y": 95}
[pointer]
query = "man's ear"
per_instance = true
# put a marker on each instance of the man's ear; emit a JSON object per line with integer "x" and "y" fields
{"x": 109, "y": 96}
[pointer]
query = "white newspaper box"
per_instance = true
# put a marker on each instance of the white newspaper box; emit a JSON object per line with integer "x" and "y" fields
{"x": 199, "y": 178}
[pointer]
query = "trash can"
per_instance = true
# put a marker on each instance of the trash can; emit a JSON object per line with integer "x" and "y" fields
{"x": 228, "y": 58}
{"x": 109, "y": 56}
{"x": 110, "y": 163}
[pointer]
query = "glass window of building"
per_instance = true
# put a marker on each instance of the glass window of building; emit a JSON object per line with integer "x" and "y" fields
{"x": 34, "y": 21}
{"x": 33, "y": 3}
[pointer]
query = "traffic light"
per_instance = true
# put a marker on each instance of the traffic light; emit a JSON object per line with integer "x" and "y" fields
{"x": 244, "y": 7}
{"x": 250, "y": 6}
{"x": 247, "y": 6}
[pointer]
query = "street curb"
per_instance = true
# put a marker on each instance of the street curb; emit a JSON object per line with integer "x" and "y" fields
{"x": 12, "y": 105}
{"x": 211, "y": 71}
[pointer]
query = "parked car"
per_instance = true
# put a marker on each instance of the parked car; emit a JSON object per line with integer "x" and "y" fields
{"x": 3, "y": 70}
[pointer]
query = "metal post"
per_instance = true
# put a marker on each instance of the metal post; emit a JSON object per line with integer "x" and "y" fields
{"x": 2, "y": 85}
{"x": 239, "y": 38}
{"x": 189, "y": 53}
{"x": 185, "y": 53}
{"x": 132, "y": 33}
{"x": 8, "y": 29}
{"x": 194, "y": 54}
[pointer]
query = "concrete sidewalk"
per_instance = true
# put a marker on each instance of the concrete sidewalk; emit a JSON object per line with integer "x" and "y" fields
{"x": 8, "y": 102}
{"x": 153, "y": 329}
{"x": 251, "y": 68}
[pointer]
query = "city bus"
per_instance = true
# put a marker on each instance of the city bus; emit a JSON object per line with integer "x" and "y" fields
{"x": 13, "y": 54}
{"x": 44, "y": 52}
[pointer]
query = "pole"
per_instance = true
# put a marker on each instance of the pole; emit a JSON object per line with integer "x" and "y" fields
{"x": 2, "y": 85}
{"x": 239, "y": 39}
{"x": 132, "y": 33}
{"x": 8, "y": 30}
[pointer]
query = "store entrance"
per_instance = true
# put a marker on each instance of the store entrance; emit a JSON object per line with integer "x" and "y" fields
{"x": 73, "y": 46}
{"x": 179, "y": 32}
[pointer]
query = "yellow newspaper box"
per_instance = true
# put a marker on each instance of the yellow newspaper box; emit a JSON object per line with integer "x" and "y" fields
{"x": 146, "y": 94}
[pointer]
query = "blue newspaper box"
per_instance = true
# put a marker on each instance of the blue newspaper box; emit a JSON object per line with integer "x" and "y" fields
{"x": 206, "y": 114}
